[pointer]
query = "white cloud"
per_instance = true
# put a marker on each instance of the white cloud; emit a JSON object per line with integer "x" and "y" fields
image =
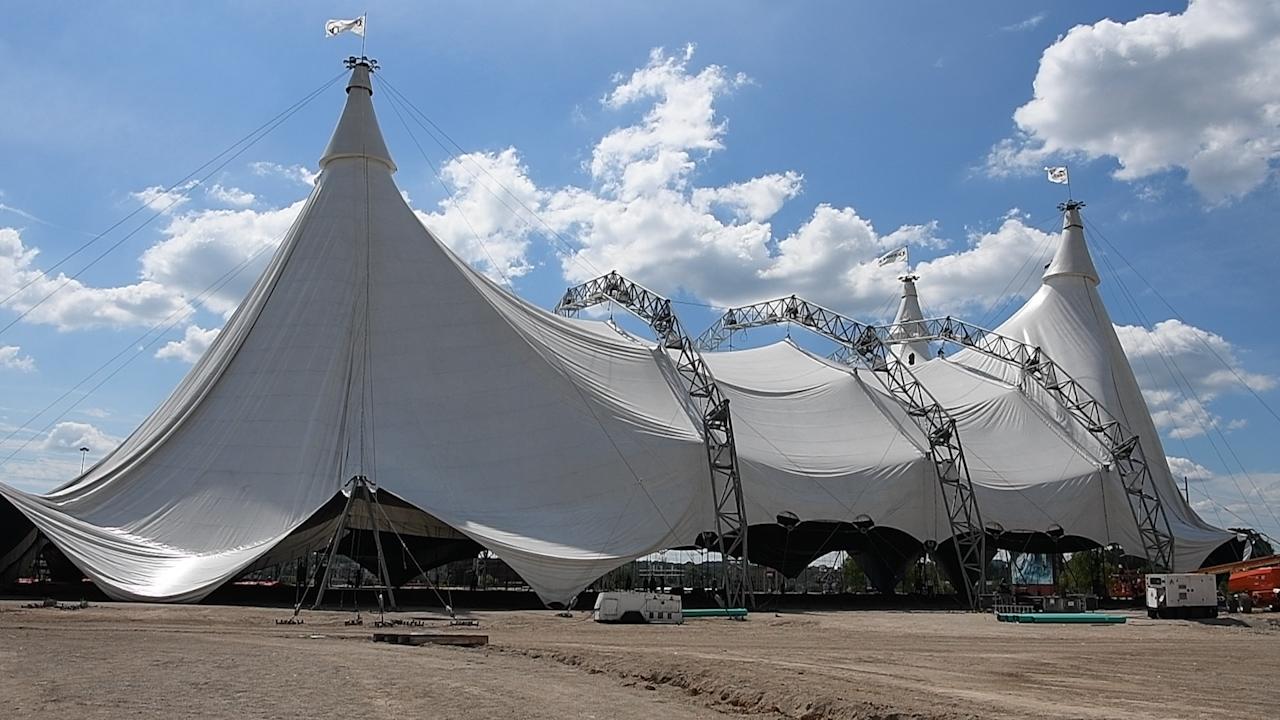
{"x": 11, "y": 358}
{"x": 165, "y": 201}
{"x": 1198, "y": 91}
{"x": 1028, "y": 24}
{"x": 296, "y": 173}
{"x": 1174, "y": 355}
{"x": 757, "y": 199}
{"x": 644, "y": 215}
{"x": 71, "y": 304}
{"x": 655, "y": 226}
{"x": 1193, "y": 471}
{"x": 658, "y": 152}
{"x": 71, "y": 436}
{"x": 199, "y": 249}
{"x": 195, "y": 341}
{"x": 488, "y": 220}
{"x": 231, "y": 195}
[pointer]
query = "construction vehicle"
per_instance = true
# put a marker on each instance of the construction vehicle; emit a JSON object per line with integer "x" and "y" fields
{"x": 1253, "y": 583}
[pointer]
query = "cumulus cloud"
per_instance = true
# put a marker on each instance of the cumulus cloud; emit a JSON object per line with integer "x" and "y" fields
{"x": 189, "y": 266}
{"x": 644, "y": 215}
{"x": 200, "y": 248}
{"x": 757, "y": 199}
{"x": 69, "y": 304}
{"x": 1187, "y": 468}
{"x": 1181, "y": 370}
{"x": 659, "y": 151}
{"x": 71, "y": 436}
{"x": 230, "y": 195}
{"x": 489, "y": 218}
{"x": 11, "y": 358}
{"x": 195, "y": 341}
{"x": 1197, "y": 91}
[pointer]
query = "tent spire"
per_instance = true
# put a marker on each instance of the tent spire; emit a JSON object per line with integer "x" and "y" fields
{"x": 358, "y": 134}
{"x": 905, "y": 323}
{"x": 1072, "y": 258}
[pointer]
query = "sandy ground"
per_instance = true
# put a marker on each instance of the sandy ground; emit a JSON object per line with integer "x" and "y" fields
{"x": 139, "y": 661}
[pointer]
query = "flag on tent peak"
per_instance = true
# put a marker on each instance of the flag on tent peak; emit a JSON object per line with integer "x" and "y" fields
{"x": 893, "y": 256}
{"x": 1058, "y": 175}
{"x": 337, "y": 27}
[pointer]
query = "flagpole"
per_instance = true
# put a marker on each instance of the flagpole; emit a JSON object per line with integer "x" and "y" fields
{"x": 364, "y": 38}
{"x": 1068, "y": 167}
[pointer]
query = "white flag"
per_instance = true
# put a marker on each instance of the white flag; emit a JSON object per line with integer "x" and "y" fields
{"x": 1058, "y": 175}
{"x": 893, "y": 256}
{"x": 337, "y": 27}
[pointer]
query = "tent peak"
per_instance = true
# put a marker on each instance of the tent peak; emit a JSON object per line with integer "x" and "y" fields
{"x": 1072, "y": 258}
{"x": 905, "y": 326}
{"x": 361, "y": 68}
{"x": 358, "y": 134}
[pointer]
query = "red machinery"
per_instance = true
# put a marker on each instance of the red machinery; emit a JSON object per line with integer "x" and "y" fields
{"x": 1258, "y": 578}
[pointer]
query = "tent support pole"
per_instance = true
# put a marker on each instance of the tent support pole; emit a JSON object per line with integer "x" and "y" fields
{"x": 333, "y": 549}
{"x": 377, "y": 541}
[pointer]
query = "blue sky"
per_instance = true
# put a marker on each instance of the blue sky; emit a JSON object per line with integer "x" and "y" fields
{"x": 795, "y": 126}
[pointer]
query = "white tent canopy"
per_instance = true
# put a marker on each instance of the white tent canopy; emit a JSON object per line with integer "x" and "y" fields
{"x": 368, "y": 348}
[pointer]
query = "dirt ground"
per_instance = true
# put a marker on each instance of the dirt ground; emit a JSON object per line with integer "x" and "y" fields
{"x": 143, "y": 661}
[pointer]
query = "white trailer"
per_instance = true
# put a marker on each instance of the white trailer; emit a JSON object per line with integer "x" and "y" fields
{"x": 1182, "y": 595}
{"x": 638, "y": 607}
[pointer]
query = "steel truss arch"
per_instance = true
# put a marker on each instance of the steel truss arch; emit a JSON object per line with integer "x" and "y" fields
{"x": 1121, "y": 444}
{"x": 871, "y": 345}
{"x": 717, "y": 423}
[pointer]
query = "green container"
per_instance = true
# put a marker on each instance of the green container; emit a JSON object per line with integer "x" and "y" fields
{"x": 716, "y": 612}
{"x": 1062, "y": 618}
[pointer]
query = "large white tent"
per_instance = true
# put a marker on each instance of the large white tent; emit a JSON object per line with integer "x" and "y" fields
{"x": 367, "y": 348}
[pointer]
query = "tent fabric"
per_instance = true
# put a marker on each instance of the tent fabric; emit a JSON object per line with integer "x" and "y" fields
{"x": 1068, "y": 320}
{"x": 564, "y": 446}
{"x": 564, "y": 450}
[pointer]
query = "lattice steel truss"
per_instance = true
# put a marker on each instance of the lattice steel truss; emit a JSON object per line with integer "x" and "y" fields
{"x": 1121, "y": 444}
{"x": 717, "y": 423}
{"x": 870, "y": 344}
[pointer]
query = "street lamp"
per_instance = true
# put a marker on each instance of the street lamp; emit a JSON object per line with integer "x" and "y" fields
{"x": 83, "y": 452}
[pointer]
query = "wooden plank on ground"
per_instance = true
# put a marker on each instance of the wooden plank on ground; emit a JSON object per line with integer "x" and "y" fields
{"x": 420, "y": 638}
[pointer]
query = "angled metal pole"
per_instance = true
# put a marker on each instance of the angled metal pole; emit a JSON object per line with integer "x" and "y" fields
{"x": 1122, "y": 445}
{"x": 377, "y": 541}
{"x": 333, "y": 547}
{"x": 717, "y": 423}
{"x": 870, "y": 344}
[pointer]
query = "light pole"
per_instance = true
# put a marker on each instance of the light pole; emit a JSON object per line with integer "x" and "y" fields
{"x": 83, "y": 452}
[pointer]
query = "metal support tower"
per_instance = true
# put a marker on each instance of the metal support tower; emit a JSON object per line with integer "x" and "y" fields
{"x": 1120, "y": 444}
{"x": 939, "y": 428}
{"x": 359, "y": 485}
{"x": 717, "y": 423}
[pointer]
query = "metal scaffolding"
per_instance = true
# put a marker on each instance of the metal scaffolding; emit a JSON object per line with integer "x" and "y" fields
{"x": 939, "y": 428}
{"x": 1121, "y": 444}
{"x": 717, "y": 424}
